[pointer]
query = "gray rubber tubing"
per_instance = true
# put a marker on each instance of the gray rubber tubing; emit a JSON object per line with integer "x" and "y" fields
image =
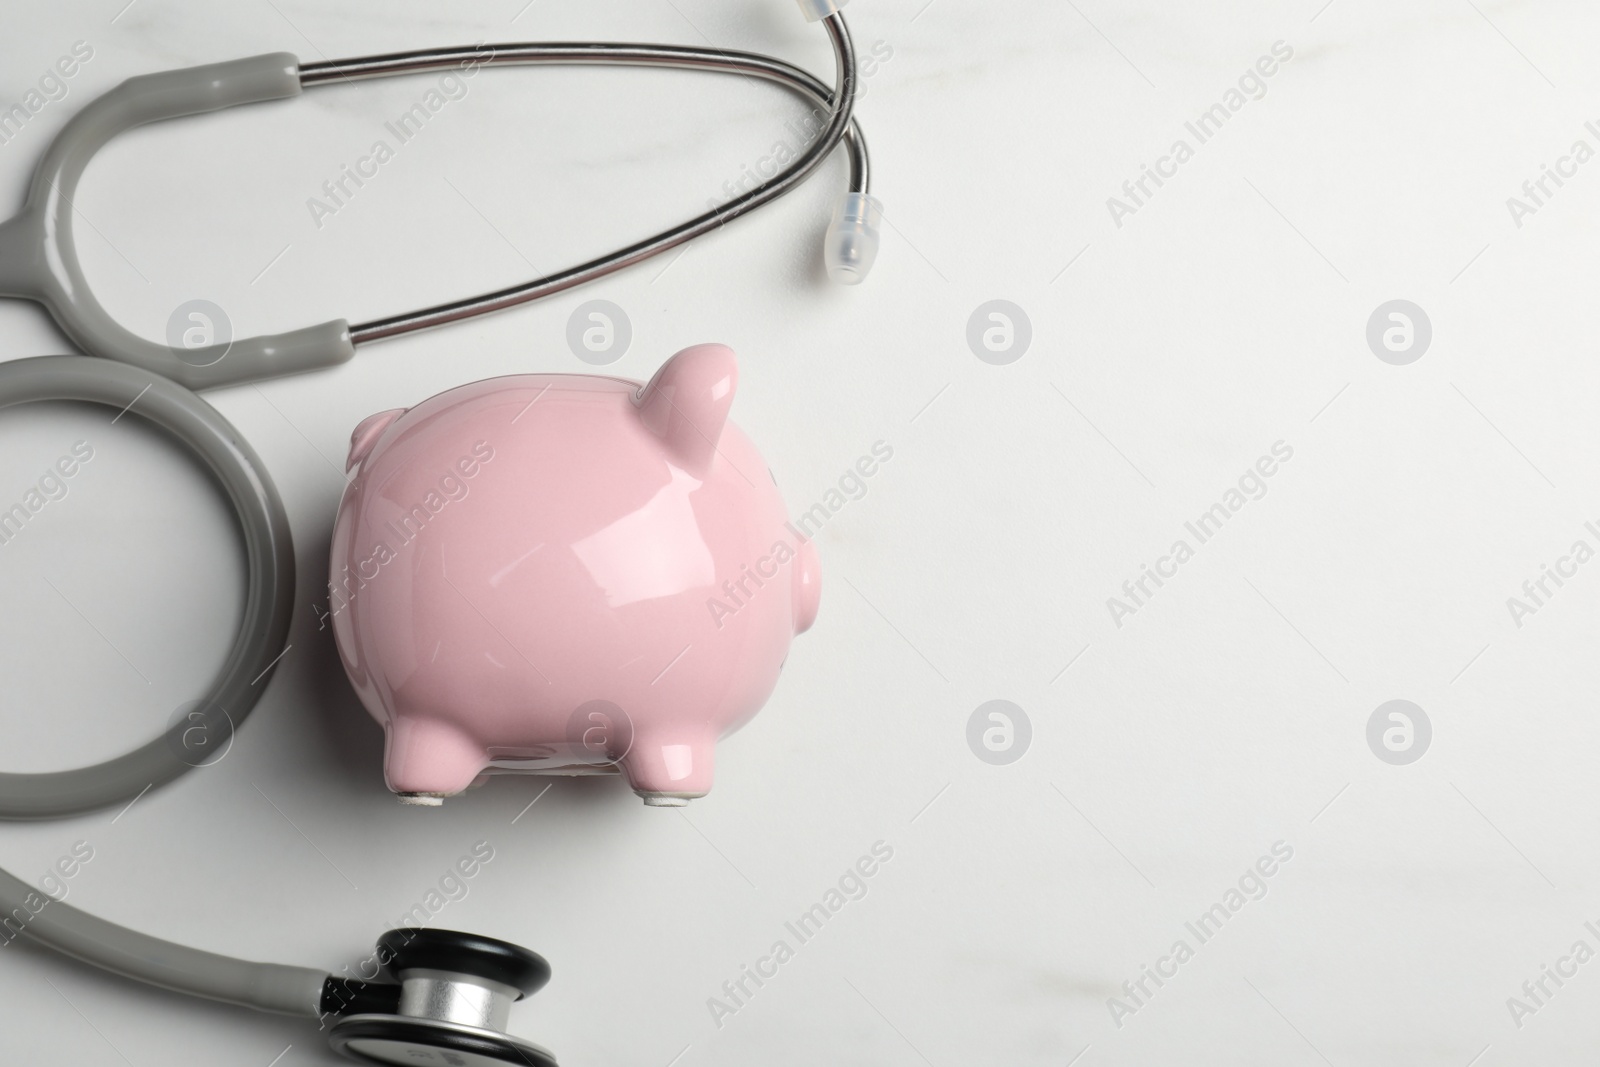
{"x": 272, "y": 987}
{"x": 269, "y": 600}
{"x": 38, "y": 260}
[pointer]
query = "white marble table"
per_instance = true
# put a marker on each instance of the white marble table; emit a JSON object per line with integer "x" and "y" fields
{"x": 1199, "y": 532}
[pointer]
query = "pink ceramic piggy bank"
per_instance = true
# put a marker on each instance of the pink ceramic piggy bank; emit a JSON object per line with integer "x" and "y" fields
{"x": 566, "y": 574}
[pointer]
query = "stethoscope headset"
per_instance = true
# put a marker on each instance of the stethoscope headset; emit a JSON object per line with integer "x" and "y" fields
{"x": 435, "y": 996}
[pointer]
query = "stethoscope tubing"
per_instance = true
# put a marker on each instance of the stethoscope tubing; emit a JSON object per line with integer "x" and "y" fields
{"x": 269, "y": 573}
{"x": 269, "y": 598}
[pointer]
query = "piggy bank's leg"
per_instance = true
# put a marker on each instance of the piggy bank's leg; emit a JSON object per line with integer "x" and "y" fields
{"x": 426, "y": 758}
{"x": 669, "y": 766}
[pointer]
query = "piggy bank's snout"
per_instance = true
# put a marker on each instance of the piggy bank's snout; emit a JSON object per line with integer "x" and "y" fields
{"x": 807, "y": 586}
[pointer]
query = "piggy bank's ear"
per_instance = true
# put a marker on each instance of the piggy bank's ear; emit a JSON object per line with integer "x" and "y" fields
{"x": 366, "y": 435}
{"x": 687, "y": 402}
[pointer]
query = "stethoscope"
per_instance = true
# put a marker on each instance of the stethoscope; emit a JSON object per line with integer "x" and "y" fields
{"x": 426, "y": 996}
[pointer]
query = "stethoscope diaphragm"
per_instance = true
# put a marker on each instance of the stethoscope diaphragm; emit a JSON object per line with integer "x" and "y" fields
{"x": 398, "y": 1040}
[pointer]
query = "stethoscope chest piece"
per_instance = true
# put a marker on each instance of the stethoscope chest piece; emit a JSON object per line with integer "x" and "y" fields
{"x": 454, "y": 1000}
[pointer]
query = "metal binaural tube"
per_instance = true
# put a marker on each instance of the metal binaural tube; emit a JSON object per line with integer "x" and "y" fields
{"x": 752, "y": 64}
{"x": 840, "y": 127}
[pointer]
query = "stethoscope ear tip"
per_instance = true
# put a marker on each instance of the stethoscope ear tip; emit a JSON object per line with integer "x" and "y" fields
{"x": 852, "y": 245}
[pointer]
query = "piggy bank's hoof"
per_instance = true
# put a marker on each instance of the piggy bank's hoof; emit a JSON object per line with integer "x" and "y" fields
{"x": 428, "y": 756}
{"x": 668, "y": 768}
{"x": 421, "y": 800}
{"x": 665, "y": 800}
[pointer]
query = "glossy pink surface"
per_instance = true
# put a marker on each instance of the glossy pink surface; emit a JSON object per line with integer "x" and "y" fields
{"x": 566, "y": 574}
